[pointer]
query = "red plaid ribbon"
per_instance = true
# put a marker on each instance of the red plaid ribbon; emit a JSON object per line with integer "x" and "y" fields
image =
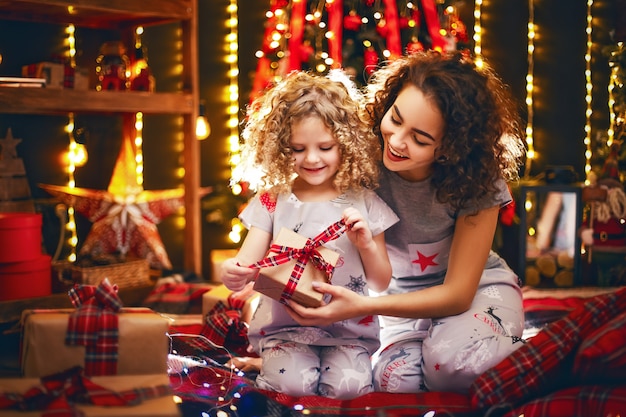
{"x": 303, "y": 255}
{"x": 94, "y": 325}
{"x": 57, "y": 394}
{"x": 223, "y": 320}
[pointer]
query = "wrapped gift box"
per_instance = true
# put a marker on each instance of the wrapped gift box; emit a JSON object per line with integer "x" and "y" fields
{"x": 27, "y": 279}
{"x": 222, "y": 294}
{"x": 163, "y": 406}
{"x": 271, "y": 281}
{"x": 20, "y": 237}
{"x": 53, "y": 72}
{"x": 143, "y": 343}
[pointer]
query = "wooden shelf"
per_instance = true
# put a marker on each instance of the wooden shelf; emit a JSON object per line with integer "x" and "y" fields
{"x": 123, "y": 16}
{"x": 104, "y": 14}
{"x": 31, "y": 100}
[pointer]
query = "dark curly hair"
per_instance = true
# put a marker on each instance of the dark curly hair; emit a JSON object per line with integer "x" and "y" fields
{"x": 482, "y": 141}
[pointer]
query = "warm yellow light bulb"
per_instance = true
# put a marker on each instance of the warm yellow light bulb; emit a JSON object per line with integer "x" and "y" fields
{"x": 203, "y": 129}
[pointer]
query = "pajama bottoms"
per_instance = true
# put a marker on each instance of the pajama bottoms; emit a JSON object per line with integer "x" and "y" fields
{"x": 299, "y": 369}
{"x": 448, "y": 354}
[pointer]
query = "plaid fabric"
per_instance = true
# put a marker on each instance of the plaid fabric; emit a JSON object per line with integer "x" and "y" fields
{"x": 535, "y": 368}
{"x": 224, "y": 321}
{"x": 222, "y": 390}
{"x": 592, "y": 400}
{"x": 380, "y": 404}
{"x": 302, "y": 256}
{"x": 94, "y": 325}
{"x": 602, "y": 356}
{"x": 57, "y": 394}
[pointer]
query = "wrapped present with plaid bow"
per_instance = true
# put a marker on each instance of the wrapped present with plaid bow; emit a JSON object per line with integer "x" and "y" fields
{"x": 99, "y": 335}
{"x": 294, "y": 262}
{"x": 71, "y": 393}
{"x": 244, "y": 301}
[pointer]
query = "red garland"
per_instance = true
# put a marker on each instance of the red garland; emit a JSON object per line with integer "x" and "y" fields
{"x": 432, "y": 23}
{"x": 335, "y": 22}
{"x": 392, "y": 26}
{"x": 298, "y": 11}
{"x": 263, "y": 70}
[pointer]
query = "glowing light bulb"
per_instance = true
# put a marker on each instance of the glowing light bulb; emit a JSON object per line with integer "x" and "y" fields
{"x": 203, "y": 129}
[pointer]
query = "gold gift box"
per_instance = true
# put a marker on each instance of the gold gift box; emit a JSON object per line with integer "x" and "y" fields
{"x": 155, "y": 407}
{"x": 143, "y": 343}
{"x": 272, "y": 280}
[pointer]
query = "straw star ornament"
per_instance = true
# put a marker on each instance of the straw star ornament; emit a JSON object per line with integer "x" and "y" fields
{"x": 124, "y": 216}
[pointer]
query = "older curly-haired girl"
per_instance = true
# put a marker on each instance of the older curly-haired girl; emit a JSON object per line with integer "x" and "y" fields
{"x": 449, "y": 136}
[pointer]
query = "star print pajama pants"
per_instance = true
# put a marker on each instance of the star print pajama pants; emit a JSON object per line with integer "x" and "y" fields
{"x": 299, "y": 369}
{"x": 447, "y": 354}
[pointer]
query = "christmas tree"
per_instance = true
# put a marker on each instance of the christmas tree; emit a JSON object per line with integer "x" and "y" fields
{"x": 356, "y": 35}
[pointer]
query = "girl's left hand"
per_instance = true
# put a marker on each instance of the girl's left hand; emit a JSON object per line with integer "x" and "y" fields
{"x": 360, "y": 234}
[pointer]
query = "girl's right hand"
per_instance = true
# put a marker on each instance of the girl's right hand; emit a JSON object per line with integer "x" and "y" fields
{"x": 234, "y": 276}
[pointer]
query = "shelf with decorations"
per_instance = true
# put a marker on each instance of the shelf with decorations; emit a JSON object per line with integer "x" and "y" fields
{"x": 124, "y": 17}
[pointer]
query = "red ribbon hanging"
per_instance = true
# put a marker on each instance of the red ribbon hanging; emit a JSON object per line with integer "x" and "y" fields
{"x": 94, "y": 324}
{"x": 392, "y": 22}
{"x": 298, "y": 10}
{"x": 335, "y": 25}
{"x": 431, "y": 16}
{"x": 302, "y": 256}
{"x": 263, "y": 74}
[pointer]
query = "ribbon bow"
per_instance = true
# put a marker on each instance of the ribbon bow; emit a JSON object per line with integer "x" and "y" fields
{"x": 57, "y": 393}
{"x": 224, "y": 321}
{"x": 94, "y": 324}
{"x": 302, "y": 256}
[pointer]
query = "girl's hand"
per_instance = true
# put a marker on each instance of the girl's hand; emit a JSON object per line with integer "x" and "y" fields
{"x": 344, "y": 304}
{"x": 234, "y": 276}
{"x": 360, "y": 234}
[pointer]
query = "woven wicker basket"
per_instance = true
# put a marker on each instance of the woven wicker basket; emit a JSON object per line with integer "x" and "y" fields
{"x": 125, "y": 274}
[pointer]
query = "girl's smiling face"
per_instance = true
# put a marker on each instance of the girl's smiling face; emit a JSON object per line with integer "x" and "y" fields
{"x": 412, "y": 130}
{"x": 316, "y": 153}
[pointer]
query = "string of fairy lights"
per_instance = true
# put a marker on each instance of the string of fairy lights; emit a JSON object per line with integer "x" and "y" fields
{"x": 588, "y": 92}
{"x": 478, "y": 33}
{"x": 232, "y": 58}
{"x": 613, "y": 83}
{"x": 530, "y": 152}
{"x": 76, "y": 156}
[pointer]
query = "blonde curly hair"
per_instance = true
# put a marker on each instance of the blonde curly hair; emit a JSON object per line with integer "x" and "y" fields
{"x": 267, "y": 157}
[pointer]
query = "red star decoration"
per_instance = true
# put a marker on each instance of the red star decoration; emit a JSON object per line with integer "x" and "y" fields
{"x": 124, "y": 216}
{"x": 425, "y": 261}
{"x": 366, "y": 321}
{"x": 437, "y": 367}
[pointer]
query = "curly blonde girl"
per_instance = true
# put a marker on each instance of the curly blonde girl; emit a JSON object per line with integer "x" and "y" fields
{"x": 267, "y": 157}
